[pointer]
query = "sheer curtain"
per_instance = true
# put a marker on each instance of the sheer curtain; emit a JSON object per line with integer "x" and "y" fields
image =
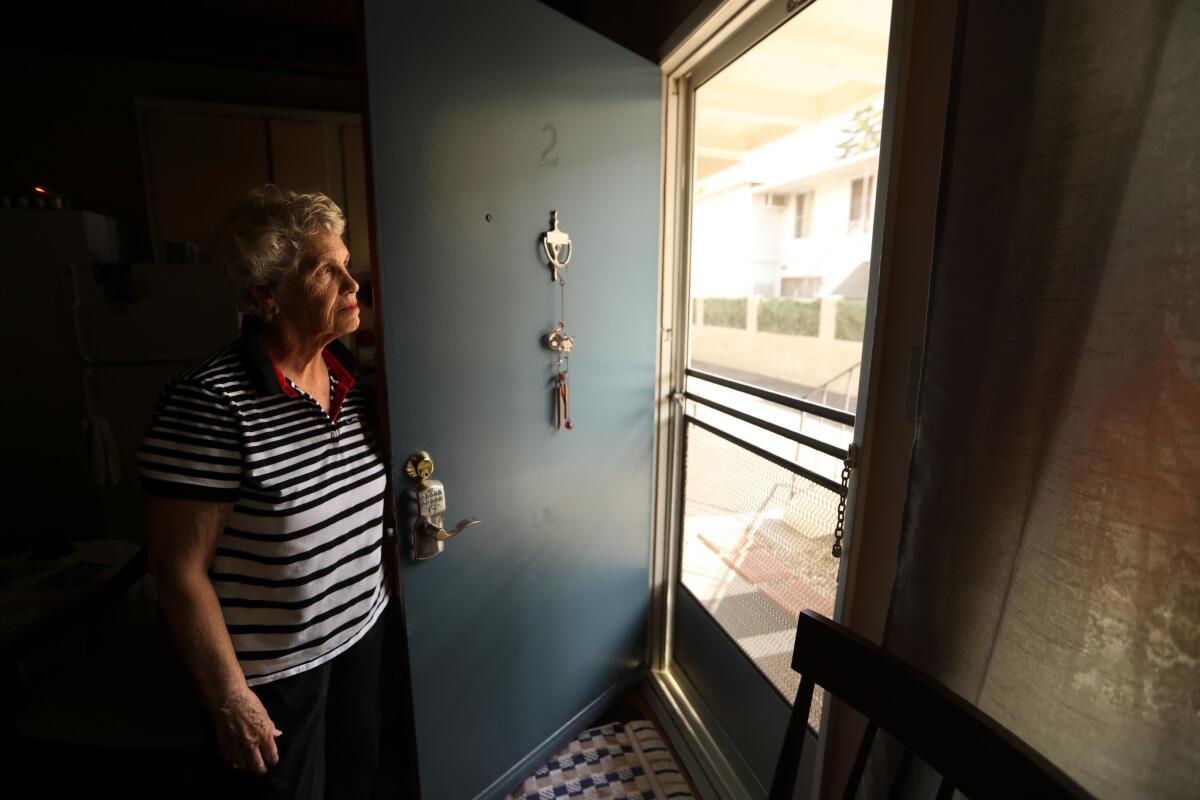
{"x": 1050, "y": 562}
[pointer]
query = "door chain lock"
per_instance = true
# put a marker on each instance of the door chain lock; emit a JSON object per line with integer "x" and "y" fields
{"x": 839, "y": 529}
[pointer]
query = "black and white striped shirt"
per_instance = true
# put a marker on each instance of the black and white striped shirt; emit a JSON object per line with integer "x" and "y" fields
{"x": 298, "y": 568}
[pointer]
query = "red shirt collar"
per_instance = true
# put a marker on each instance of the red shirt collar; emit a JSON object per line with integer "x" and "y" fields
{"x": 268, "y": 379}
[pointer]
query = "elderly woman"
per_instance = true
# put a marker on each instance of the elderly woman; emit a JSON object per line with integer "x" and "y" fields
{"x": 266, "y": 517}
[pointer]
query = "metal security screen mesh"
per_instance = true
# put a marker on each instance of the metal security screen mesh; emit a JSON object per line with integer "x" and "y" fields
{"x": 756, "y": 550}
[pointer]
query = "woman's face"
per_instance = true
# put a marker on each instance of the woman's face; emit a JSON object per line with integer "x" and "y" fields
{"x": 318, "y": 300}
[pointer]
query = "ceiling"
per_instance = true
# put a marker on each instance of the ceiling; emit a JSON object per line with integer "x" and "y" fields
{"x": 640, "y": 26}
{"x": 312, "y": 36}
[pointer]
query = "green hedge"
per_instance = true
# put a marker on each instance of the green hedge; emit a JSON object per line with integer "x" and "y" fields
{"x": 789, "y": 315}
{"x": 725, "y": 312}
{"x": 851, "y": 320}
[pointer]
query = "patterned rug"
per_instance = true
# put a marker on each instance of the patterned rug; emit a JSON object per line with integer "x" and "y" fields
{"x": 618, "y": 761}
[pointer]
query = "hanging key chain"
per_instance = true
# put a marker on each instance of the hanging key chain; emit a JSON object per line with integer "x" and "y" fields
{"x": 562, "y": 344}
{"x": 563, "y": 405}
{"x": 557, "y": 245}
{"x": 558, "y": 340}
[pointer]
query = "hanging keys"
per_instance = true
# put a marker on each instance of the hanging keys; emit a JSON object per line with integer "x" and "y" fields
{"x": 562, "y": 400}
{"x": 562, "y": 396}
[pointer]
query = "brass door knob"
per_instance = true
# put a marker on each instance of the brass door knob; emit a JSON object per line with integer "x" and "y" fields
{"x": 419, "y": 465}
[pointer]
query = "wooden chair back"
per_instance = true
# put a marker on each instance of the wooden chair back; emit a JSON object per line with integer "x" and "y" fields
{"x": 971, "y": 751}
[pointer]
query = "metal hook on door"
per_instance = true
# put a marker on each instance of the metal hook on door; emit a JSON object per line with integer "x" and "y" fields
{"x": 556, "y": 244}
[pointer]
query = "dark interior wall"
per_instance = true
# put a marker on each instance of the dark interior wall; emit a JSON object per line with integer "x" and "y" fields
{"x": 71, "y": 122}
{"x": 70, "y": 80}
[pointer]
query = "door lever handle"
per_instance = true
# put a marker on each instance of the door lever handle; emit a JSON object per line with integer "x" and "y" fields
{"x": 441, "y": 534}
{"x": 427, "y": 535}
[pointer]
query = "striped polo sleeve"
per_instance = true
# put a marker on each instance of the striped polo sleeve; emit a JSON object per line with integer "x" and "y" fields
{"x": 192, "y": 448}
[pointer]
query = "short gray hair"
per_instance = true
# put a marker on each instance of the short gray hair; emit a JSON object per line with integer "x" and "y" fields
{"x": 264, "y": 237}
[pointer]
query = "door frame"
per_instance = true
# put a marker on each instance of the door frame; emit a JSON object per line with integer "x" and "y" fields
{"x": 731, "y": 29}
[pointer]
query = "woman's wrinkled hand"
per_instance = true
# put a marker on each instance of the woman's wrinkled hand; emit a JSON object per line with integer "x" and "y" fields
{"x": 245, "y": 733}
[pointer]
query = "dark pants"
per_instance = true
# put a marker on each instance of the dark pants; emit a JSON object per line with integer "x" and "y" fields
{"x": 330, "y": 717}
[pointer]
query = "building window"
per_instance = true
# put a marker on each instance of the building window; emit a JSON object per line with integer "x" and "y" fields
{"x": 804, "y": 204}
{"x": 774, "y": 200}
{"x": 862, "y": 193}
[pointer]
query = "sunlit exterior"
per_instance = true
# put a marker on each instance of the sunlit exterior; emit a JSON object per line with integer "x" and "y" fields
{"x": 787, "y": 142}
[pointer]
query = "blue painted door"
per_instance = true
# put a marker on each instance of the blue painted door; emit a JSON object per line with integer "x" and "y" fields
{"x": 483, "y": 118}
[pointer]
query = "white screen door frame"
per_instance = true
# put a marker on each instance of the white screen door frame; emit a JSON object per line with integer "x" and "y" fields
{"x": 728, "y": 32}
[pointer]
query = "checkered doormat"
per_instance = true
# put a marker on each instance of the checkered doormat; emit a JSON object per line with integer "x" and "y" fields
{"x": 618, "y": 761}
